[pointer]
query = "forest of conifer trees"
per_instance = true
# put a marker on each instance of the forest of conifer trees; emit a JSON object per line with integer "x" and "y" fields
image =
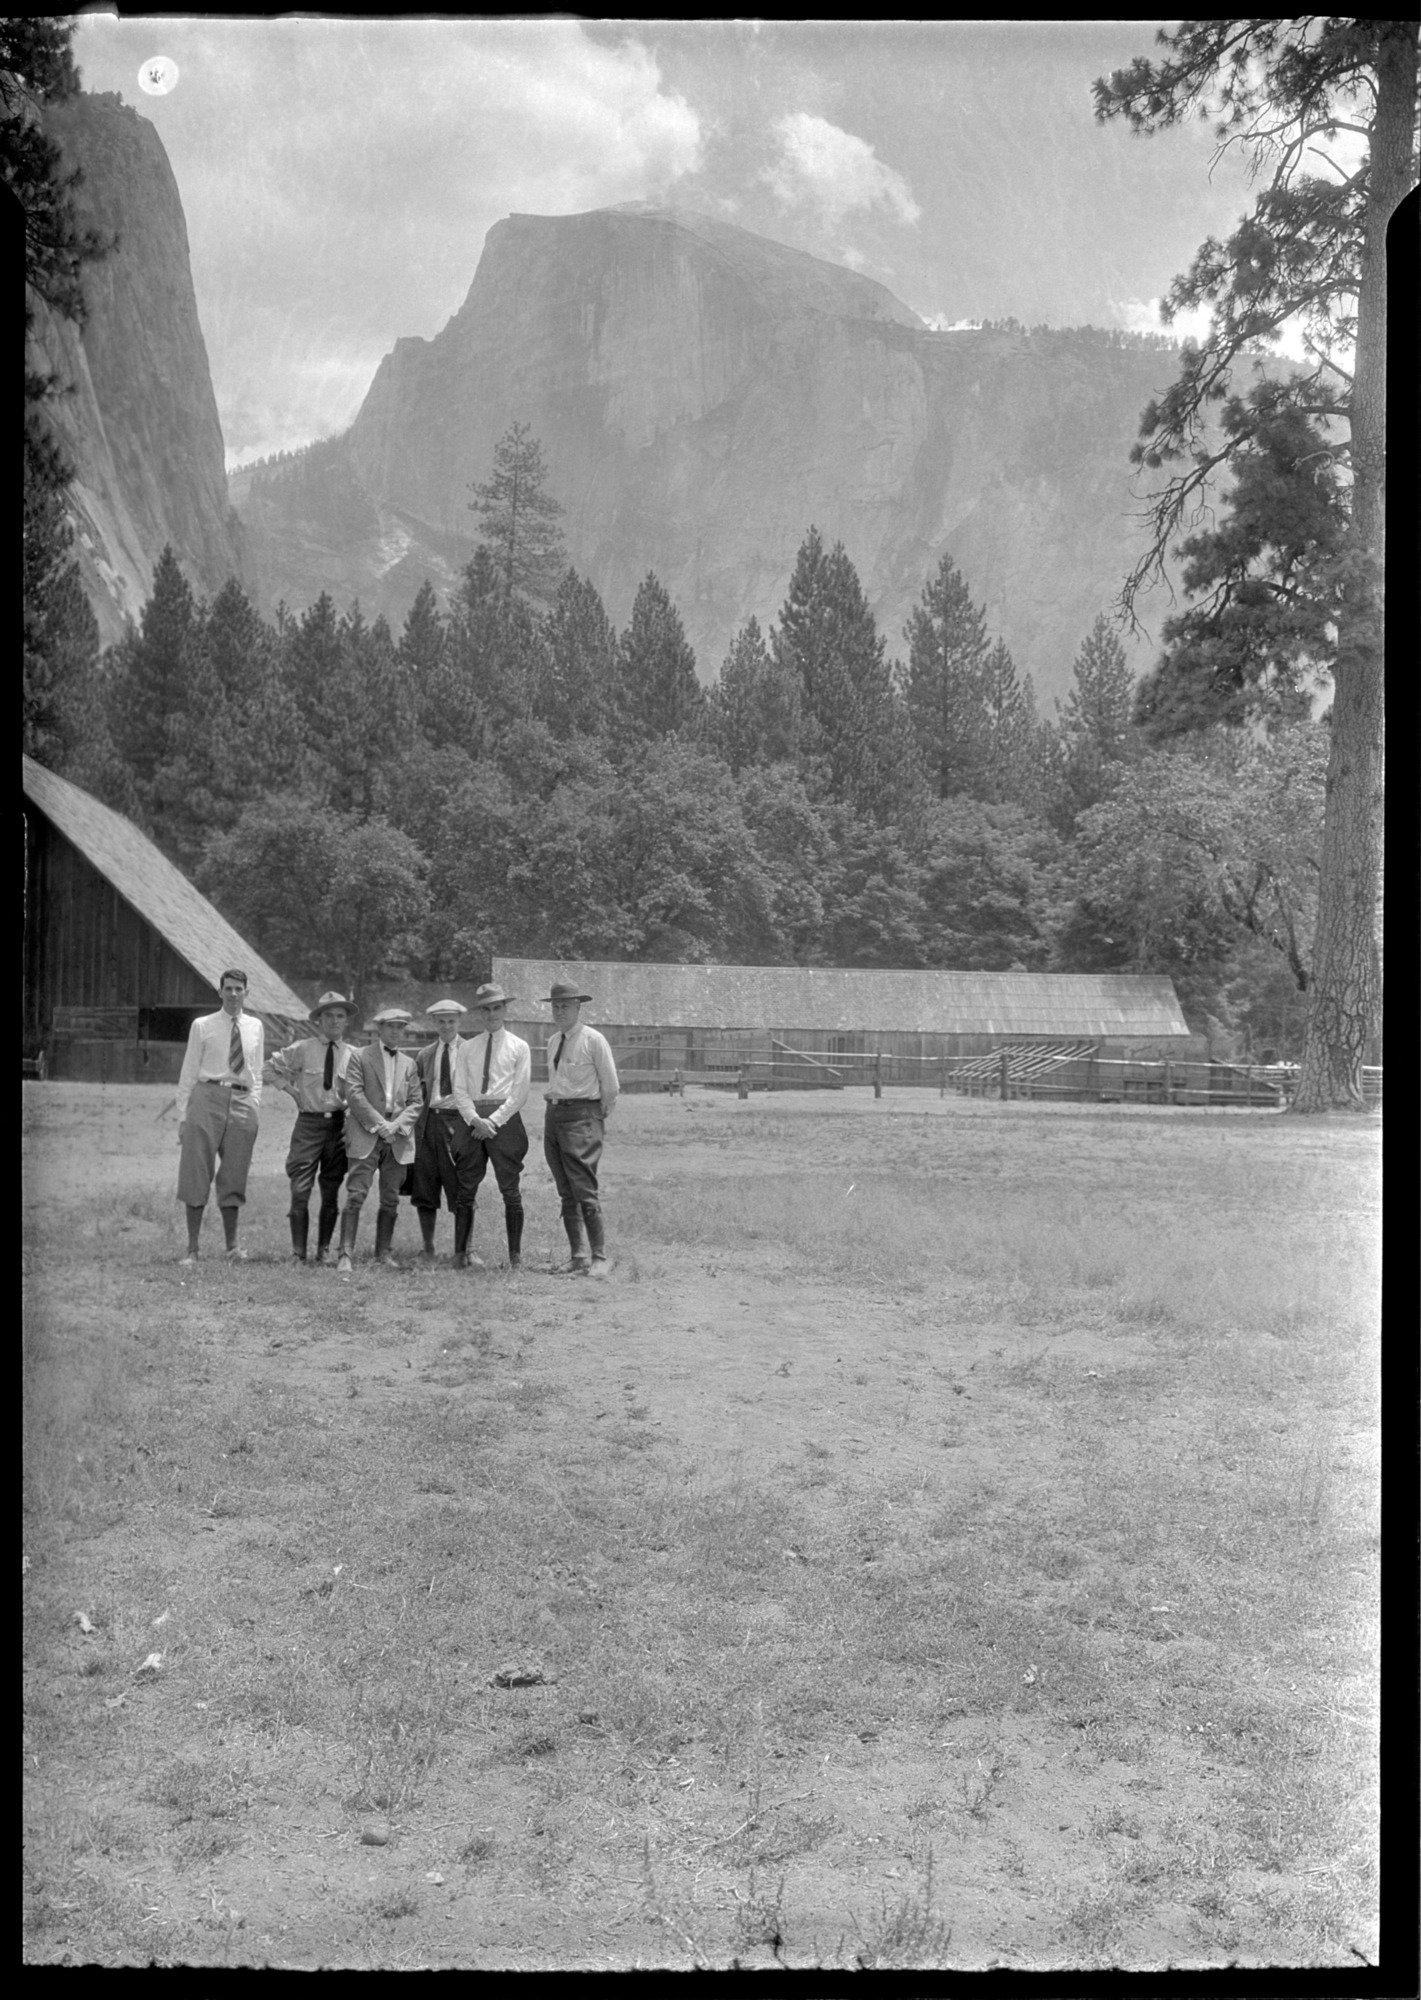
{"x": 510, "y": 774}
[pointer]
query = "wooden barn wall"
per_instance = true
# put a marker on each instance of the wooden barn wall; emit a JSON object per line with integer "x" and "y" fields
{"x": 85, "y": 945}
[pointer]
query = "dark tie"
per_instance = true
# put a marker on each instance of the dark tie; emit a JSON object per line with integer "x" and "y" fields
{"x": 328, "y": 1075}
{"x": 562, "y": 1044}
{"x": 488, "y": 1058}
{"x": 235, "y": 1057}
{"x": 446, "y": 1081}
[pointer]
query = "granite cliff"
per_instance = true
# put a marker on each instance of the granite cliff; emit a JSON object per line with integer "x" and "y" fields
{"x": 140, "y": 420}
{"x": 702, "y": 396}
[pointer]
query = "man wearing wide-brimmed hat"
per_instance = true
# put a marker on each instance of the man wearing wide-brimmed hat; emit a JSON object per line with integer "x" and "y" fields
{"x": 311, "y": 1073}
{"x": 491, "y": 1080}
{"x": 440, "y": 1134}
{"x": 383, "y": 1100}
{"x": 581, "y": 1090}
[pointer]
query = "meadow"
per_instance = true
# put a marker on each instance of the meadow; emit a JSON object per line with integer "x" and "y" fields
{"x": 949, "y": 1539}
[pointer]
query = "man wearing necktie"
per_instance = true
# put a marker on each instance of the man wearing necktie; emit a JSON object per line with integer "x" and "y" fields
{"x": 441, "y": 1132}
{"x": 383, "y": 1101}
{"x": 491, "y": 1079}
{"x": 582, "y": 1087}
{"x": 311, "y": 1073}
{"x": 219, "y": 1090}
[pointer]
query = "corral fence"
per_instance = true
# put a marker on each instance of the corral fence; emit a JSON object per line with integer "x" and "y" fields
{"x": 1065, "y": 1071}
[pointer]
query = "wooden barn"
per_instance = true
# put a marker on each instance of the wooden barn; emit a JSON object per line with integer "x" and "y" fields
{"x": 121, "y": 951}
{"x": 780, "y": 1023}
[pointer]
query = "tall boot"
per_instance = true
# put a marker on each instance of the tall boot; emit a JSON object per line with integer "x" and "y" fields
{"x": 326, "y": 1229}
{"x": 384, "y": 1232}
{"x": 464, "y": 1258}
{"x": 428, "y": 1217}
{"x": 300, "y": 1220}
{"x": 513, "y": 1224}
{"x": 592, "y": 1218}
{"x": 572, "y": 1223}
{"x": 349, "y": 1224}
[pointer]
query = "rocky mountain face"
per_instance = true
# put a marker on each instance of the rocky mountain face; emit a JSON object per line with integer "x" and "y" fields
{"x": 140, "y": 422}
{"x": 703, "y": 396}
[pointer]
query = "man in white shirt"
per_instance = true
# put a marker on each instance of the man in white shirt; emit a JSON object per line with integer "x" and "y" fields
{"x": 491, "y": 1079}
{"x": 582, "y": 1087}
{"x": 219, "y": 1092}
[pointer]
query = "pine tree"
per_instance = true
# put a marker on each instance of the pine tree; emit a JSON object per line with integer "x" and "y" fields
{"x": 754, "y": 708}
{"x": 520, "y": 518}
{"x": 60, "y": 637}
{"x": 658, "y": 693}
{"x": 151, "y": 672}
{"x": 578, "y": 689}
{"x": 1009, "y": 715}
{"x": 945, "y": 683}
{"x": 826, "y": 644}
{"x": 1313, "y": 249}
{"x": 1096, "y": 737}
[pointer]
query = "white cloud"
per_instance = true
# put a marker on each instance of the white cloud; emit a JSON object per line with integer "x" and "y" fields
{"x": 834, "y": 171}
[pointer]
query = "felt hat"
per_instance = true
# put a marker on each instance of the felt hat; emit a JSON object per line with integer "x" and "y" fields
{"x": 562, "y": 991}
{"x": 445, "y": 1007}
{"x": 491, "y": 994}
{"x": 330, "y": 1000}
{"x": 400, "y": 1016}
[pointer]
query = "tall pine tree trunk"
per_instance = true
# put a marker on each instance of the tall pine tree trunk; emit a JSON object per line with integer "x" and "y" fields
{"x": 1345, "y": 1001}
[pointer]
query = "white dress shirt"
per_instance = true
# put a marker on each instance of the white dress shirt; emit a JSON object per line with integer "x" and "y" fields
{"x": 209, "y": 1041}
{"x": 580, "y": 1065}
{"x": 510, "y": 1071}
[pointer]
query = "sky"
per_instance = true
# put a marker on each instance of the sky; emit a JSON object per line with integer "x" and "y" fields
{"x": 339, "y": 176}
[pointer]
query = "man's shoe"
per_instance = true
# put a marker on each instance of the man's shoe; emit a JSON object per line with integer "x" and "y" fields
{"x": 184, "y": 1263}
{"x": 465, "y": 1260}
{"x": 515, "y": 1263}
{"x": 237, "y": 1255}
{"x": 600, "y": 1268}
{"x": 344, "y": 1266}
{"x": 576, "y": 1269}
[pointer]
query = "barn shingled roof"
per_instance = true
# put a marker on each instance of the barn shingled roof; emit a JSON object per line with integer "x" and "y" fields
{"x": 161, "y": 893}
{"x": 1095, "y": 1004}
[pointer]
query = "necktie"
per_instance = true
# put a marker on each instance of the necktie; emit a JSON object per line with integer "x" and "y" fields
{"x": 235, "y": 1056}
{"x": 562, "y": 1044}
{"x": 488, "y": 1058}
{"x": 328, "y": 1075}
{"x": 446, "y": 1081}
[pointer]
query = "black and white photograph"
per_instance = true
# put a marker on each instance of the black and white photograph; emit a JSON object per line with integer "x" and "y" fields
{"x": 702, "y": 1047}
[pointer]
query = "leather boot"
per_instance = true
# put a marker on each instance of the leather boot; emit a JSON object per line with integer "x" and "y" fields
{"x": 326, "y": 1224}
{"x": 300, "y": 1230}
{"x": 384, "y": 1232}
{"x": 572, "y": 1223}
{"x": 592, "y": 1219}
{"x": 428, "y": 1217}
{"x": 349, "y": 1224}
{"x": 513, "y": 1224}
{"x": 464, "y": 1258}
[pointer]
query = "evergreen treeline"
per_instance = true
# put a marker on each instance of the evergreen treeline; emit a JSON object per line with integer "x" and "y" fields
{"x": 509, "y": 773}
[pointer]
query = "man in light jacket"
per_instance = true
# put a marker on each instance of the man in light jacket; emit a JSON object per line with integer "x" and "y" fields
{"x": 383, "y": 1102}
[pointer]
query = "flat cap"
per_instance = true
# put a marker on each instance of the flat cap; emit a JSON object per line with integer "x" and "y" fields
{"x": 398, "y": 1015}
{"x": 445, "y": 1007}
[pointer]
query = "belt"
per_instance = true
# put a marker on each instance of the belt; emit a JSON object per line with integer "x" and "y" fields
{"x": 562, "y": 1103}
{"x": 221, "y": 1083}
{"x": 339, "y": 1113}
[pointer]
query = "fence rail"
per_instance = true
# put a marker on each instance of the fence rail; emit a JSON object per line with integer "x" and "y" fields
{"x": 1069, "y": 1072}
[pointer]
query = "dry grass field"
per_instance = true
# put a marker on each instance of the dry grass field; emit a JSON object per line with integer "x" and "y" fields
{"x": 949, "y": 1539}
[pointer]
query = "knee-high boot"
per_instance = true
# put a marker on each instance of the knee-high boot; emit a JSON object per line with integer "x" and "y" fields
{"x": 592, "y": 1219}
{"x": 326, "y": 1228}
{"x": 572, "y": 1223}
{"x": 464, "y": 1258}
{"x": 349, "y": 1225}
{"x": 384, "y": 1232}
{"x": 300, "y": 1219}
{"x": 428, "y": 1217}
{"x": 513, "y": 1225}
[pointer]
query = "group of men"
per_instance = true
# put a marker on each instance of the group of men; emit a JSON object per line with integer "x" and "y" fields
{"x": 429, "y": 1125}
